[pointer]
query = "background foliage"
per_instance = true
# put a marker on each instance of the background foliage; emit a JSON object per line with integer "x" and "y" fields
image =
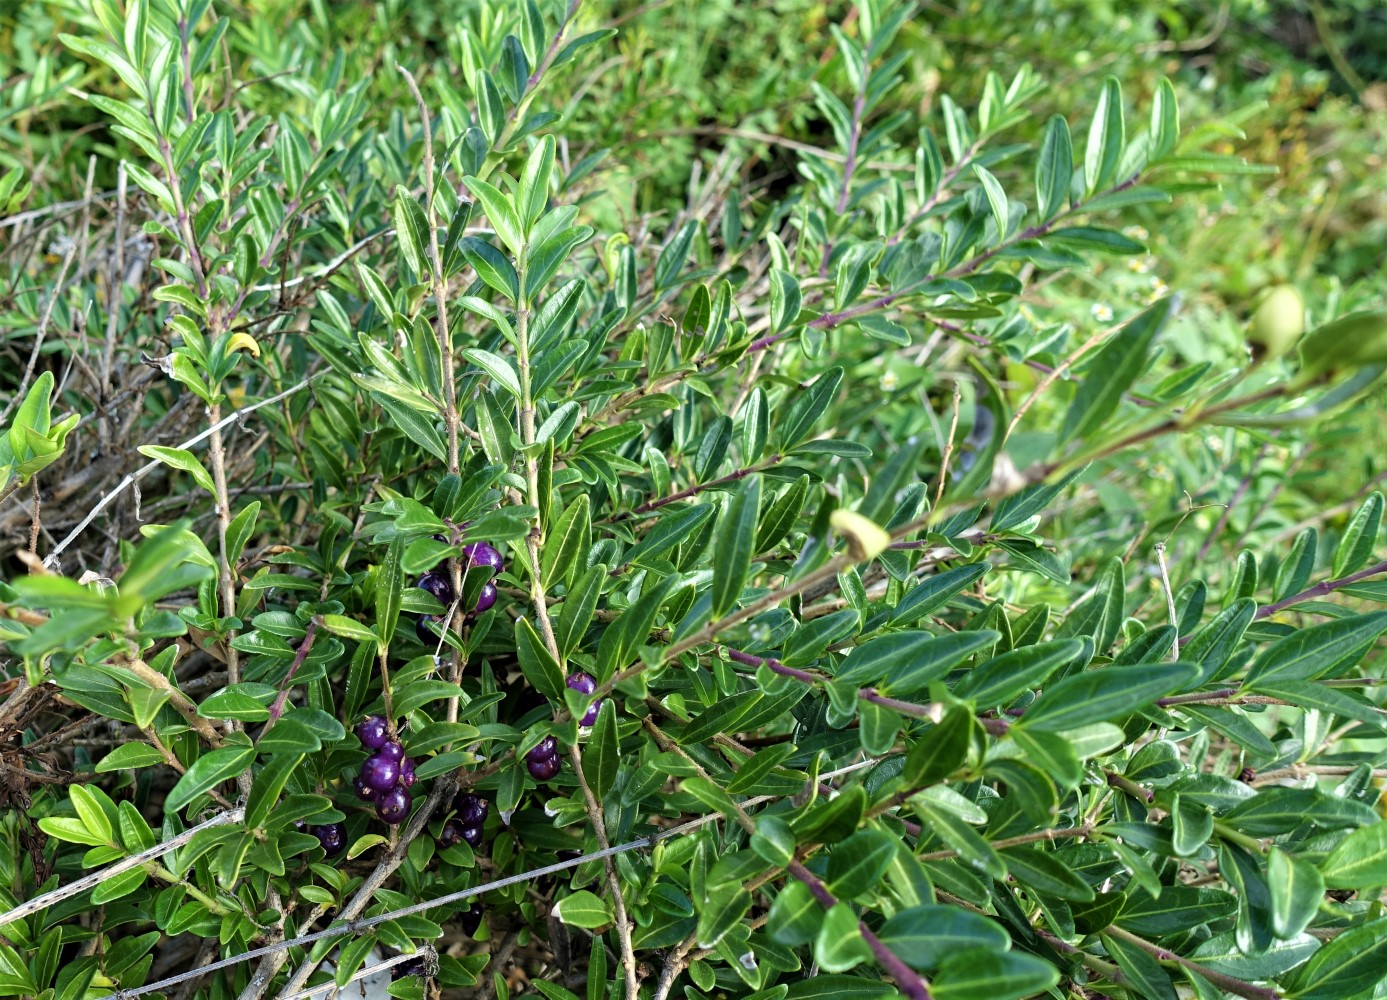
{"x": 861, "y": 394}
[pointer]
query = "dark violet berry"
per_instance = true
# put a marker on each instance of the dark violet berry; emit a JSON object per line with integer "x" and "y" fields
{"x": 581, "y": 682}
{"x": 451, "y": 834}
{"x": 407, "y": 776}
{"x": 393, "y": 750}
{"x": 483, "y": 555}
{"x": 471, "y": 919}
{"x": 547, "y": 747}
{"x": 487, "y": 597}
{"x": 585, "y": 683}
{"x": 373, "y": 732}
{"x": 380, "y": 772}
{"x": 364, "y": 791}
{"x": 393, "y": 806}
{"x": 544, "y": 769}
{"x": 422, "y": 630}
{"x": 414, "y": 967}
{"x": 471, "y": 809}
{"x": 437, "y": 583}
{"x": 332, "y": 837}
{"x": 473, "y": 835}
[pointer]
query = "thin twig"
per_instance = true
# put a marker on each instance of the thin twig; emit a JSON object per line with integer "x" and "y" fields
{"x": 51, "y": 559}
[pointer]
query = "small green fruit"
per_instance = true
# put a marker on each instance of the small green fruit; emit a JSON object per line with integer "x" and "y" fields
{"x": 1277, "y": 323}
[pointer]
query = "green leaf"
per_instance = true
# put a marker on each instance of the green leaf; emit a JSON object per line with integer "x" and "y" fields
{"x": 536, "y": 662}
{"x": 1106, "y": 136}
{"x": 1351, "y": 965}
{"x": 773, "y": 840}
{"x": 1034, "y": 867}
{"x": 1322, "y": 650}
{"x": 736, "y": 546}
{"x": 289, "y": 735}
{"x": 959, "y": 836}
{"x": 858, "y": 863}
{"x": 1145, "y": 974}
{"x": 582, "y": 909}
{"x": 1297, "y": 889}
{"x": 128, "y": 756}
{"x": 91, "y": 814}
{"x": 390, "y": 585}
{"x": 500, "y": 212}
{"x": 1112, "y": 371}
{"x": 496, "y": 270}
{"x": 1107, "y": 693}
{"x": 785, "y": 299}
{"x": 940, "y": 751}
{"x": 795, "y": 915}
{"x": 722, "y": 911}
{"x": 987, "y": 974}
{"x": 208, "y": 771}
{"x": 1053, "y": 172}
{"x": 497, "y": 367}
{"x": 602, "y": 755}
{"x": 568, "y": 543}
{"x": 1360, "y": 537}
{"x": 1165, "y": 120}
{"x": 1002, "y": 678}
{"x": 806, "y": 407}
{"x": 905, "y": 662}
{"x": 1360, "y": 860}
{"x": 412, "y": 231}
{"x": 925, "y": 936}
{"x": 534, "y": 183}
{"x": 936, "y": 591}
{"x": 839, "y": 945}
{"x": 269, "y": 784}
{"x": 183, "y": 460}
{"x": 996, "y": 198}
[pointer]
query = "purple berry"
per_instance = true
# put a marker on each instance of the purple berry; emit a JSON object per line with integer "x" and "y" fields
{"x": 422, "y": 630}
{"x": 332, "y": 837}
{"x": 471, "y": 809}
{"x": 544, "y": 769}
{"x": 451, "y": 834}
{"x": 547, "y": 747}
{"x": 414, "y": 967}
{"x": 486, "y": 598}
{"x": 583, "y": 683}
{"x": 407, "y": 776}
{"x": 373, "y": 732}
{"x": 481, "y": 554}
{"x": 437, "y": 584}
{"x": 393, "y": 805}
{"x": 471, "y": 919}
{"x": 364, "y": 791}
{"x": 473, "y": 835}
{"x": 380, "y": 773}
{"x": 393, "y": 750}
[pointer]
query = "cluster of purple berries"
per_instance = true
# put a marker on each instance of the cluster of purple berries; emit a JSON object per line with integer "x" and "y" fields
{"x": 466, "y": 825}
{"x": 387, "y": 775}
{"x": 585, "y": 683}
{"x": 543, "y": 759}
{"x": 475, "y": 555}
{"x": 332, "y": 837}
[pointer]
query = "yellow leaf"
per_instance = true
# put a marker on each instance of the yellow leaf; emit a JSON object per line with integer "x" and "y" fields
{"x": 246, "y": 341}
{"x": 866, "y": 539}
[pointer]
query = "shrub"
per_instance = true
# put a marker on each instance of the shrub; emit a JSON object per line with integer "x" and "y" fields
{"x": 715, "y": 601}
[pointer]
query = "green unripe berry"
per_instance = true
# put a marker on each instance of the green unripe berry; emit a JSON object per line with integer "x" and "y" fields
{"x": 1276, "y": 324}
